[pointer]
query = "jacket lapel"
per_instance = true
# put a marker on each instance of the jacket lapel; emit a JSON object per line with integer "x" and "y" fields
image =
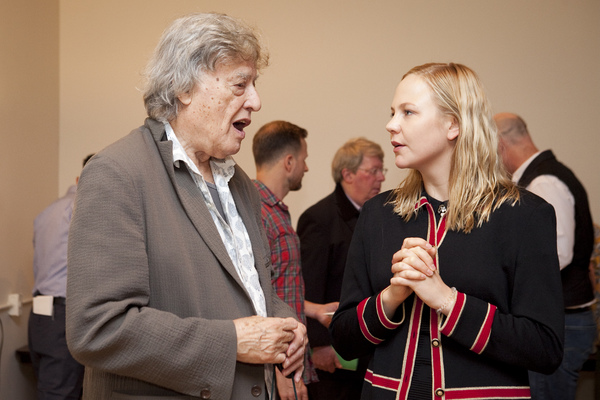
{"x": 191, "y": 200}
{"x": 253, "y": 223}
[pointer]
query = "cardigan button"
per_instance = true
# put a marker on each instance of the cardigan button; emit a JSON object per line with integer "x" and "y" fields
{"x": 435, "y": 342}
{"x": 439, "y": 392}
{"x": 205, "y": 394}
{"x": 256, "y": 391}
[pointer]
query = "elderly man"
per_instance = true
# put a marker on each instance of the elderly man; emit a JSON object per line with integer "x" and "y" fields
{"x": 540, "y": 173}
{"x": 280, "y": 153}
{"x": 169, "y": 291}
{"x": 325, "y": 231}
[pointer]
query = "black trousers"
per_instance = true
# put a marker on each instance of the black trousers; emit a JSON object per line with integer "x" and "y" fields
{"x": 342, "y": 385}
{"x": 59, "y": 376}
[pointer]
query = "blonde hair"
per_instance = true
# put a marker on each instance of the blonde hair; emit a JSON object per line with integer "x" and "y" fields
{"x": 478, "y": 181}
{"x": 351, "y": 155}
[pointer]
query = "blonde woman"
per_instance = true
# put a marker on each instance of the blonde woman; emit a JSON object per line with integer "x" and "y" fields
{"x": 452, "y": 282}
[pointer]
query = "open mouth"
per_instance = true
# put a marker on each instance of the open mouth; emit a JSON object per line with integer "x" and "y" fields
{"x": 241, "y": 124}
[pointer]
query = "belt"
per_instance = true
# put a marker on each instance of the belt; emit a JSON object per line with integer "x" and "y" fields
{"x": 59, "y": 301}
{"x": 577, "y": 310}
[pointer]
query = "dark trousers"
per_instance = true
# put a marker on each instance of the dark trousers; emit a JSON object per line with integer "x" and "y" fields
{"x": 59, "y": 376}
{"x": 342, "y": 385}
{"x": 580, "y": 333}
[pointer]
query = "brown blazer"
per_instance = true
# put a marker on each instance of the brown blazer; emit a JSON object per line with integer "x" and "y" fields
{"x": 151, "y": 290}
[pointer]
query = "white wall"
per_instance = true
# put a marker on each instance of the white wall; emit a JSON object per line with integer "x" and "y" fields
{"x": 335, "y": 64}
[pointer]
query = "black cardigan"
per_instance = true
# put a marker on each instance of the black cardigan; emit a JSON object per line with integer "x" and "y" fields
{"x": 508, "y": 317}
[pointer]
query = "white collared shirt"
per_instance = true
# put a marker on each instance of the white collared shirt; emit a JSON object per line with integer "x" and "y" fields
{"x": 233, "y": 234}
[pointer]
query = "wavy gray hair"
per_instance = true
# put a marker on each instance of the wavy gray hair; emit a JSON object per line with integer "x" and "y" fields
{"x": 191, "y": 46}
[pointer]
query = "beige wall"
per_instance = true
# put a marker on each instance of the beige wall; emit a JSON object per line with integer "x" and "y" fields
{"x": 29, "y": 161}
{"x": 335, "y": 64}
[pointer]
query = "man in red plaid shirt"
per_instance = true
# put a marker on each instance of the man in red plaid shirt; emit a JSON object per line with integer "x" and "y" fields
{"x": 280, "y": 153}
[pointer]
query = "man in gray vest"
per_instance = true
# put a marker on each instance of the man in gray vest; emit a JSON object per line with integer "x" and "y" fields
{"x": 541, "y": 173}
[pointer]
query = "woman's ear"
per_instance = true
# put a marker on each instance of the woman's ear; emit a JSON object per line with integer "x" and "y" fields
{"x": 453, "y": 129}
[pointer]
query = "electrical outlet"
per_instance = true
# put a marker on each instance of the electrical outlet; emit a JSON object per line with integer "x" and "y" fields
{"x": 15, "y": 303}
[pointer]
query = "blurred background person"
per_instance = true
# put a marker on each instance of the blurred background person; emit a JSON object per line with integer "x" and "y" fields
{"x": 325, "y": 231}
{"x": 58, "y": 375}
{"x": 541, "y": 173}
{"x": 280, "y": 152}
{"x": 169, "y": 289}
{"x": 452, "y": 278}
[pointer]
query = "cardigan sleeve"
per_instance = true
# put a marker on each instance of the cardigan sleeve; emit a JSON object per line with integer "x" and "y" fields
{"x": 530, "y": 333}
{"x": 360, "y": 324}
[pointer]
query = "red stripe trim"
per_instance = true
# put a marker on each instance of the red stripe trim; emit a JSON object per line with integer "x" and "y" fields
{"x": 421, "y": 202}
{"x": 471, "y": 393}
{"x": 431, "y": 236}
{"x": 452, "y": 319}
{"x": 360, "y": 309}
{"x": 488, "y": 393}
{"x": 486, "y": 330}
{"x": 385, "y": 321}
{"x": 441, "y": 233}
{"x": 411, "y": 348}
{"x": 382, "y": 381}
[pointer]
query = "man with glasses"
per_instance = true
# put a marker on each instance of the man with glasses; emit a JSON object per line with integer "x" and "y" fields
{"x": 325, "y": 231}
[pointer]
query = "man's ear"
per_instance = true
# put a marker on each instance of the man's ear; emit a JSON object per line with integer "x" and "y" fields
{"x": 347, "y": 175}
{"x": 288, "y": 162}
{"x": 185, "y": 98}
{"x": 453, "y": 129}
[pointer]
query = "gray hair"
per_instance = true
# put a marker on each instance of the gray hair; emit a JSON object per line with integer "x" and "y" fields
{"x": 192, "y": 45}
{"x": 351, "y": 155}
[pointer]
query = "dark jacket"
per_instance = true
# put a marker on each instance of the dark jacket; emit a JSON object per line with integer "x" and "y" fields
{"x": 325, "y": 231}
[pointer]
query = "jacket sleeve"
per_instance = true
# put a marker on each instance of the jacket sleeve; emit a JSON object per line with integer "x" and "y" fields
{"x": 314, "y": 253}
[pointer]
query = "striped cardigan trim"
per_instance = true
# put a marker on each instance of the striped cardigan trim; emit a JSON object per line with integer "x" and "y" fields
{"x": 360, "y": 310}
{"x": 450, "y": 322}
{"x": 485, "y": 332}
{"x": 385, "y": 321}
{"x": 466, "y": 393}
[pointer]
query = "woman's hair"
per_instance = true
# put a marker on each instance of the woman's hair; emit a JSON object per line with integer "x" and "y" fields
{"x": 351, "y": 155}
{"x": 191, "y": 46}
{"x": 478, "y": 181}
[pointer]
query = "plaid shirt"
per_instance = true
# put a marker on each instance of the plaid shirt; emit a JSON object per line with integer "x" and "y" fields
{"x": 286, "y": 275}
